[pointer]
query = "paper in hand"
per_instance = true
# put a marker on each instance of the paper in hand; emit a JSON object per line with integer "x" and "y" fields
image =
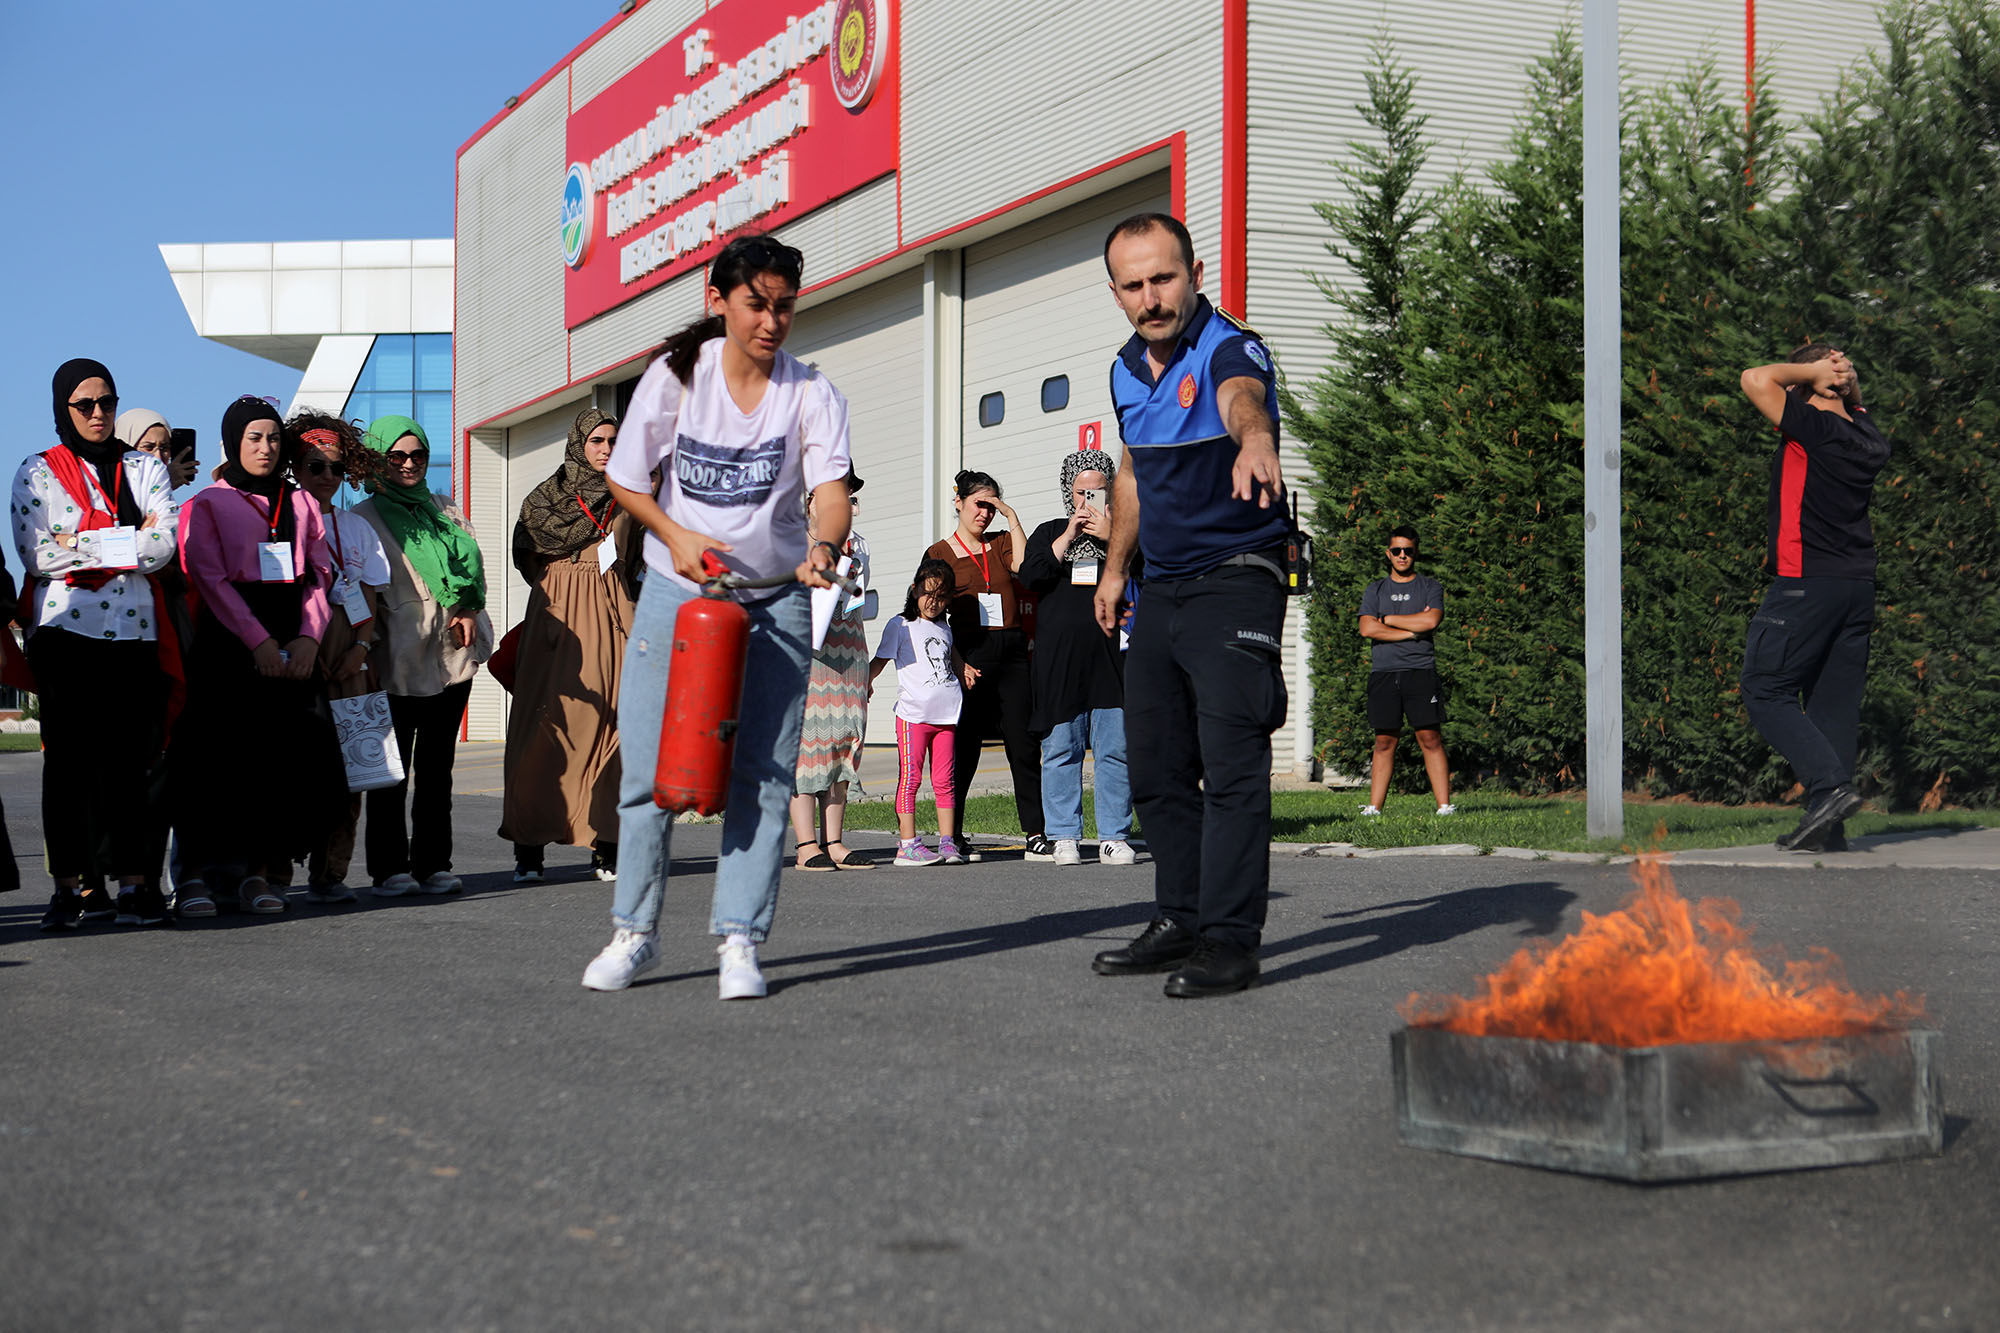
{"x": 825, "y": 600}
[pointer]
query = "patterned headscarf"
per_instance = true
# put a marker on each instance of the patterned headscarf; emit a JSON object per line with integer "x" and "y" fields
{"x": 1085, "y": 547}
{"x": 553, "y": 522}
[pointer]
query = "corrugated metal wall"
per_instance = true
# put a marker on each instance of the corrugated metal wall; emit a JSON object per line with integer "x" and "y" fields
{"x": 490, "y": 515}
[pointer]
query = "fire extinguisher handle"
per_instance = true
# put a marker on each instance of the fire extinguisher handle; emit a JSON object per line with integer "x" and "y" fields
{"x": 711, "y": 564}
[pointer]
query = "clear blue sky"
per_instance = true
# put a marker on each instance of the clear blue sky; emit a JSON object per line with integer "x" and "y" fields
{"x": 131, "y": 124}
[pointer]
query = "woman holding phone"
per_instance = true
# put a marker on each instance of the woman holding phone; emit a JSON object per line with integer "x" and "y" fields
{"x": 737, "y": 431}
{"x": 986, "y": 625}
{"x": 1079, "y": 672}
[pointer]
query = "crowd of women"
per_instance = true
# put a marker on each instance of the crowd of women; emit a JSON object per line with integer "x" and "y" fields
{"x": 191, "y": 658}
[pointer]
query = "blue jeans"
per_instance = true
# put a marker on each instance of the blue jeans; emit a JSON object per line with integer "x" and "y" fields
{"x": 760, "y": 779}
{"x": 1102, "y": 730}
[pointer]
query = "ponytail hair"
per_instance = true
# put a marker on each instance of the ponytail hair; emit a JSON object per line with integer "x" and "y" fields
{"x": 932, "y": 570}
{"x": 740, "y": 261}
{"x": 968, "y": 481}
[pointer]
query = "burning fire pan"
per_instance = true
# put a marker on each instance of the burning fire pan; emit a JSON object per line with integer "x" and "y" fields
{"x": 1677, "y": 1112}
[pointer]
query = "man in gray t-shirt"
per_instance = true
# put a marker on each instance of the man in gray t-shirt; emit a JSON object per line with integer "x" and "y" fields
{"x": 1399, "y": 614}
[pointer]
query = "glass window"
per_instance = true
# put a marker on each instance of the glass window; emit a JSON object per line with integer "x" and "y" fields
{"x": 433, "y": 362}
{"x": 1055, "y": 393}
{"x": 992, "y": 409}
{"x": 409, "y": 375}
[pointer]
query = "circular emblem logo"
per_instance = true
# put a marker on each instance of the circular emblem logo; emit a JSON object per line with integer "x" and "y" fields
{"x": 576, "y": 215}
{"x": 860, "y": 41}
{"x": 1187, "y": 391}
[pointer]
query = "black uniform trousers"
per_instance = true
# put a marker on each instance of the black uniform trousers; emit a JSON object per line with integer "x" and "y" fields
{"x": 1204, "y": 690}
{"x": 427, "y": 736}
{"x": 1805, "y": 664}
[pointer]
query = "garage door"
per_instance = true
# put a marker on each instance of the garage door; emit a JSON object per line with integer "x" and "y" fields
{"x": 870, "y": 344}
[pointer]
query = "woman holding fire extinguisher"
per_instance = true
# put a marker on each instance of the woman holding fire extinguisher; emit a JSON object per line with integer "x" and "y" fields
{"x": 739, "y": 431}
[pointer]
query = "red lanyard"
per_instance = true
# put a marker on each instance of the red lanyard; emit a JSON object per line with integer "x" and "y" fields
{"x": 339, "y": 565}
{"x": 982, "y": 560}
{"x": 277, "y": 508}
{"x": 593, "y": 518}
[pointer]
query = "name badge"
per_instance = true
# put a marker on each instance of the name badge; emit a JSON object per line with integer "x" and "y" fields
{"x": 1084, "y": 572}
{"x": 989, "y": 610}
{"x": 607, "y": 555}
{"x": 118, "y": 548}
{"x": 274, "y": 562}
{"x": 352, "y": 602}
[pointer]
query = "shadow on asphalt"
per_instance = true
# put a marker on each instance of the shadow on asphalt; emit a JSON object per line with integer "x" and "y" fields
{"x": 1538, "y": 905}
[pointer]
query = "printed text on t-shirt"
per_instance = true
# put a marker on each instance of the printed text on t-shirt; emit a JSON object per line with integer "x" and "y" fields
{"x": 724, "y": 477}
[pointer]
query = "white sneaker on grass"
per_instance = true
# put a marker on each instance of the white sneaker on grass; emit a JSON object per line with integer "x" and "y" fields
{"x": 1370, "y": 812}
{"x": 1116, "y": 852}
{"x": 1067, "y": 853}
{"x": 1447, "y": 809}
{"x": 741, "y": 979}
{"x": 629, "y": 953}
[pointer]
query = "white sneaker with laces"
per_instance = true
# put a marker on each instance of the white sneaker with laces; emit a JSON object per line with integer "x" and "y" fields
{"x": 1447, "y": 809}
{"x": 629, "y": 953}
{"x": 1067, "y": 853}
{"x": 741, "y": 979}
{"x": 1116, "y": 852}
{"x": 395, "y": 886}
{"x": 1370, "y": 812}
{"x": 442, "y": 881}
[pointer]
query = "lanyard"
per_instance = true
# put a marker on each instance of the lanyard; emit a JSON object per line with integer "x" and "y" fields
{"x": 277, "y": 508}
{"x": 339, "y": 565}
{"x": 982, "y": 560}
{"x": 593, "y": 518}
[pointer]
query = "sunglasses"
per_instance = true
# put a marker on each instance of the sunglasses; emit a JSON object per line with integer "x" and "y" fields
{"x": 84, "y": 407}
{"x": 1409, "y": 551}
{"x": 408, "y": 458}
{"x": 319, "y": 467}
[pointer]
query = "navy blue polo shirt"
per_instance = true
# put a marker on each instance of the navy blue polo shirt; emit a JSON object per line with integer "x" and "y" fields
{"x": 1181, "y": 451}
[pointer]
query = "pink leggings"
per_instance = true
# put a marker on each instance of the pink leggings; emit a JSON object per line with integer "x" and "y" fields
{"x": 913, "y": 741}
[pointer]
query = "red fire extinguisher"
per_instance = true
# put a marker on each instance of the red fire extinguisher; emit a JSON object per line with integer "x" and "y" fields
{"x": 704, "y": 696}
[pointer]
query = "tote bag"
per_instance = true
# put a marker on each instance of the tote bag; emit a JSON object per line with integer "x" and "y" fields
{"x": 367, "y": 741}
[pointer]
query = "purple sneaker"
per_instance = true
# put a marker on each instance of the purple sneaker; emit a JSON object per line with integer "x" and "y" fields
{"x": 915, "y": 853}
{"x": 948, "y": 853}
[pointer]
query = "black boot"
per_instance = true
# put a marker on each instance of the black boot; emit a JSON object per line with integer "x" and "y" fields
{"x": 1214, "y": 968}
{"x": 1159, "y": 948}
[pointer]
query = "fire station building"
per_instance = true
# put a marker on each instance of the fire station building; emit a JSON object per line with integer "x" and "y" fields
{"x": 950, "y": 169}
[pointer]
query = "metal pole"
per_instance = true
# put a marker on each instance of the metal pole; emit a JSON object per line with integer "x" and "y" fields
{"x": 1604, "y": 698}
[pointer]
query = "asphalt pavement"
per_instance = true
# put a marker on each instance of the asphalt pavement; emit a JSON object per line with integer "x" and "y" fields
{"x": 408, "y": 1114}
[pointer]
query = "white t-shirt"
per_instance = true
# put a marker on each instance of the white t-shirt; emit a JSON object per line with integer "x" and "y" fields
{"x": 356, "y": 549}
{"x": 927, "y": 689}
{"x": 741, "y": 478}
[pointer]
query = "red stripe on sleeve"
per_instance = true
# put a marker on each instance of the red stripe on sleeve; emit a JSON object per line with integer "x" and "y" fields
{"x": 1791, "y": 497}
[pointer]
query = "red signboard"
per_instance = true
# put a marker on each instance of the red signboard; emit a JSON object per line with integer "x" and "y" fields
{"x": 755, "y": 115}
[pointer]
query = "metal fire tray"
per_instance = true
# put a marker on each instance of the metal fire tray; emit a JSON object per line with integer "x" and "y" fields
{"x": 1671, "y": 1112}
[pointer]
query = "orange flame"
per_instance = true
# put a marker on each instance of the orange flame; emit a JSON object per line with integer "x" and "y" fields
{"x": 1659, "y": 972}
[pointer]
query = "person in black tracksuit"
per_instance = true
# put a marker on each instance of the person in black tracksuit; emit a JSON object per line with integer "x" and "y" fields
{"x": 1805, "y": 660}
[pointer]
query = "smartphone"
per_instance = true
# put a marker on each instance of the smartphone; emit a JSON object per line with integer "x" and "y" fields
{"x": 1094, "y": 497}
{"x": 183, "y": 438}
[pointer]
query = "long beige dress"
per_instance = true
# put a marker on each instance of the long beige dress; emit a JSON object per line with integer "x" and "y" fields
{"x": 562, "y": 733}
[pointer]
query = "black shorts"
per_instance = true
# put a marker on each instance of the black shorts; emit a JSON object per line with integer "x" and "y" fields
{"x": 1415, "y": 693}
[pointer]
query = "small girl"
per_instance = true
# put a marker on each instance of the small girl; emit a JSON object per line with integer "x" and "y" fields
{"x": 928, "y": 672}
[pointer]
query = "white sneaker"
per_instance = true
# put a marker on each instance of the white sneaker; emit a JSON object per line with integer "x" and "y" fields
{"x": 1370, "y": 812}
{"x": 629, "y": 953}
{"x": 1447, "y": 809}
{"x": 395, "y": 886}
{"x": 1116, "y": 852}
{"x": 441, "y": 882}
{"x": 741, "y": 979}
{"x": 329, "y": 893}
{"x": 1067, "y": 853}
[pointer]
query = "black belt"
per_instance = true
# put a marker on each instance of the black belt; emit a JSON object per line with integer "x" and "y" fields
{"x": 1265, "y": 560}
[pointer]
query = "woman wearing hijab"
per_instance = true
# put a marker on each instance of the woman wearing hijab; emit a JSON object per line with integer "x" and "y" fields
{"x": 91, "y": 522}
{"x": 1079, "y": 675}
{"x": 257, "y": 564}
{"x": 147, "y": 431}
{"x": 431, "y": 637}
{"x": 576, "y": 549}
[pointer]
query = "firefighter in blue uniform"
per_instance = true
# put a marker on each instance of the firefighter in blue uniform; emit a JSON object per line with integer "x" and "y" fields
{"x": 1200, "y": 494}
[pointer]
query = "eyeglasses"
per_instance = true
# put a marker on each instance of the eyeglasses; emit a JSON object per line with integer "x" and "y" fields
{"x": 408, "y": 458}
{"x": 1409, "y": 551}
{"x": 84, "y": 407}
{"x": 319, "y": 467}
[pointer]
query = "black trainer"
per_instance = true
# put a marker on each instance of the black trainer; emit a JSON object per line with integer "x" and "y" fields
{"x": 141, "y": 905}
{"x": 65, "y": 912}
{"x": 1830, "y": 809}
{"x": 1214, "y": 968}
{"x": 1040, "y": 848}
{"x": 96, "y": 904}
{"x": 1161, "y": 947}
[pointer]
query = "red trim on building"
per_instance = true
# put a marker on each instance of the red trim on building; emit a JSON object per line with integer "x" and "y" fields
{"x": 1749, "y": 56}
{"x": 1234, "y": 253}
{"x": 1176, "y": 147}
{"x": 1791, "y": 497}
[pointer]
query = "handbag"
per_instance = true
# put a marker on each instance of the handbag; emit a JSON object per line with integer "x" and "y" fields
{"x": 367, "y": 741}
{"x": 503, "y": 662}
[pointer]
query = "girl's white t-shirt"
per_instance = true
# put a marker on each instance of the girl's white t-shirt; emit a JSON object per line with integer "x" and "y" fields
{"x": 359, "y": 550}
{"x": 739, "y": 477}
{"x": 927, "y": 689}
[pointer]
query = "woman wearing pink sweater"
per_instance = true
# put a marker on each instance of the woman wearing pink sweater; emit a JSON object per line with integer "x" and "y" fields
{"x": 256, "y": 722}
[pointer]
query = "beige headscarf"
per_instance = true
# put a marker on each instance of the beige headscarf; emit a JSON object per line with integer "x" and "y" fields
{"x": 133, "y": 425}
